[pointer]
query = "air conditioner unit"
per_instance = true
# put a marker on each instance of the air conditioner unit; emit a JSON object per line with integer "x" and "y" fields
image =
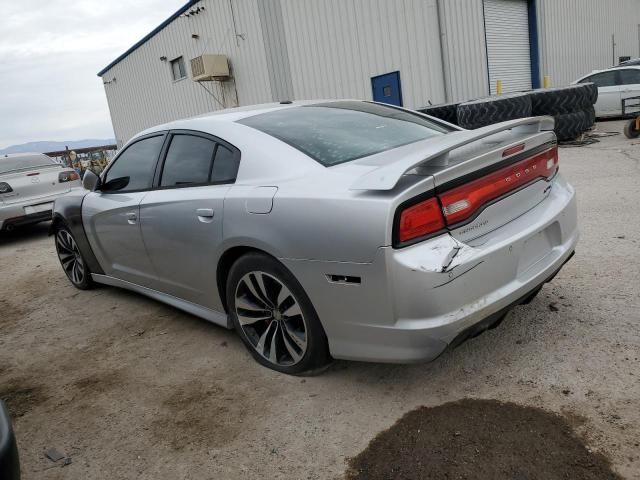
{"x": 210, "y": 67}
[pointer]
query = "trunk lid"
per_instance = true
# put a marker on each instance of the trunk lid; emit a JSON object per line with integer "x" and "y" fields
{"x": 30, "y": 185}
{"x": 483, "y": 179}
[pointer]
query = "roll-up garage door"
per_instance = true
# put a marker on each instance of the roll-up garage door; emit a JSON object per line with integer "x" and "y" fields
{"x": 508, "y": 54}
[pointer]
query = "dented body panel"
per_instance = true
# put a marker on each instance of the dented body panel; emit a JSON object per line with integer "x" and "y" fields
{"x": 412, "y": 303}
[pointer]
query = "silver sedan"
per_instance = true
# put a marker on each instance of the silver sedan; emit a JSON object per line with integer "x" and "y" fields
{"x": 322, "y": 230}
{"x": 29, "y": 184}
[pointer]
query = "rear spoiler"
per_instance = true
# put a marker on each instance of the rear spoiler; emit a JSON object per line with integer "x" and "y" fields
{"x": 437, "y": 151}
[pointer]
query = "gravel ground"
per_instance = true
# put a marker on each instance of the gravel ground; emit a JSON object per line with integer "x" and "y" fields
{"x": 129, "y": 388}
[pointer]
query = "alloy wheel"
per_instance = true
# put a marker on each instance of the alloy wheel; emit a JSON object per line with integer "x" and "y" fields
{"x": 70, "y": 257}
{"x": 271, "y": 318}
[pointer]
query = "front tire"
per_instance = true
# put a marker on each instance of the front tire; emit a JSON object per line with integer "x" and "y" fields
{"x": 274, "y": 317}
{"x": 71, "y": 260}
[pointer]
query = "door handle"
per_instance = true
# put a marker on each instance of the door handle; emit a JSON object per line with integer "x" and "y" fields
{"x": 205, "y": 212}
{"x": 132, "y": 218}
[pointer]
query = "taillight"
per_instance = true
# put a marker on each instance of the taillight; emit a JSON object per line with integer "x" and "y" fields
{"x": 68, "y": 176}
{"x": 462, "y": 202}
{"x": 5, "y": 188}
{"x": 420, "y": 220}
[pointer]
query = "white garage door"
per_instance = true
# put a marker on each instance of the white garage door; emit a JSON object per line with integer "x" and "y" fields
{"x": 509, "y": 58}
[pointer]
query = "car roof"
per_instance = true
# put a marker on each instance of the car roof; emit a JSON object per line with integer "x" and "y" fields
{"x": 202, "y": 122}
{"x": 617, "y": 67}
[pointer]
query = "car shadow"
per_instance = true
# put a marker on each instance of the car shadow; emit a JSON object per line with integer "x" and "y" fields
{"x": 25, "y": 233}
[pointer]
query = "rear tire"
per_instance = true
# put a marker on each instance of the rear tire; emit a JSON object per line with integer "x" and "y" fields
{"x": 630, "y": 130}
{"x": 71, "y": 260}
{"x": 274, "y": 316}
{"x": 562, "y": 100}
{"x": 487, "y": 111}
{"x": 569, "y": 126}
{"x": 447, "y": 112}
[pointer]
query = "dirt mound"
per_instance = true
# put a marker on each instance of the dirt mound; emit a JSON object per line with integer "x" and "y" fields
{"x": 479, "y": 439}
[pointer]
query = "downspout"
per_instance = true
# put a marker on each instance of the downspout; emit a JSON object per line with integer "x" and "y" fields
{"x": 443, "y": 53}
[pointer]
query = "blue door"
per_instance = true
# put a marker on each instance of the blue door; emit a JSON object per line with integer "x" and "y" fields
{"x": 386, "y": 88}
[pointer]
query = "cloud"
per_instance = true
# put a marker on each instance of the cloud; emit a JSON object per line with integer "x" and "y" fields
{"x": 50, "y": 52}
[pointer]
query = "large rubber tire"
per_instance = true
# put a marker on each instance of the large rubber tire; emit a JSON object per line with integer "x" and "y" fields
{"x": 73, "y": 263}
{"x": 447, "y": 112}
{"x": 316, "y": 356}
{"x": 630, "y": 130}
{"x": 594, "y": 93}
{"x": 569, "y": 126}
{"x": 591, "y": 116}
{"x": 487, "y": 111}
{"x": 558, "y": 101}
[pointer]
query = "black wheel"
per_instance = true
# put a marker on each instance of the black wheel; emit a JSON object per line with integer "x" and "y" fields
{"x": 631, "y": 129}
{"x": 274, "y": 317}
{"x": 71, "y": 260}
{"x": 569, "y": 126}
{"x": 487, "y": 111}
{"x": 591, "y": 116}
{"x": 594, "y": 93}
{"x": 560, "y": 101}
{"x": 447, "y": 112}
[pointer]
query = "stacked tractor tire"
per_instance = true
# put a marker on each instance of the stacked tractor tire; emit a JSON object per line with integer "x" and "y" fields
{"x": 571, "y": 107}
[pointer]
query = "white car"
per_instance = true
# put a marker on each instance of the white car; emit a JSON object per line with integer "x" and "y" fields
{"x": 614, "y": 85}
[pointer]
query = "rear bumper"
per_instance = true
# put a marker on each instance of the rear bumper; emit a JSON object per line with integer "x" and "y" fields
{"x": 13, "y": 222}
{"x": 15, "y": 214}
{"x": 415, "y": 302}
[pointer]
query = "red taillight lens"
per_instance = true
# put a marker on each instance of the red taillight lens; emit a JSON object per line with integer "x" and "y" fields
{"x": 420, "y": 220}
{"x": 462, "y": 202}
{"x": 68, "y": 176}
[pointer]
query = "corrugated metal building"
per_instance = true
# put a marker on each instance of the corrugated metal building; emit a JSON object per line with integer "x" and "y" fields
{"x": 408, "y": 52}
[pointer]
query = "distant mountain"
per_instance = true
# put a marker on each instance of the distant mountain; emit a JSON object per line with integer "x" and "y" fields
{"x": 51, "y": 146}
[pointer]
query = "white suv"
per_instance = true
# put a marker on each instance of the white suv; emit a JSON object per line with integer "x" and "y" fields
{"x": 614, "y": 85}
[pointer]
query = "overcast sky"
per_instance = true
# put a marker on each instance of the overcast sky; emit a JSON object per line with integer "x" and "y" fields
{"x": 50, "y": 53}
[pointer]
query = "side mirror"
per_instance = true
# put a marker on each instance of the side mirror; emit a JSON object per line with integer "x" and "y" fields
{"x": 115, "y": 184}
{"x": 90, "y": 181}
{"x": 9, "y": 462}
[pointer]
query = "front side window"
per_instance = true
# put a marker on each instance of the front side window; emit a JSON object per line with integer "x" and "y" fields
{"x": 188, "y": 161}
{"x": 605, "y": 79}
{"x": 177, "y": 69}
{"x": 338, "y": 132}
{"x": 134, "y": 168}
{"x": 630, "y": 77}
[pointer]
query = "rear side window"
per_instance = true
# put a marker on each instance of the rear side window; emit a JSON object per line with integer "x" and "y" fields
{"x": 188, "y": 161}
{"x": 225, "y": 167}
{"x": 338, "y": 132}
{"x": 630, "y": 77}
{"x": 605, "y": 79}
{"x": 134, "y": 168}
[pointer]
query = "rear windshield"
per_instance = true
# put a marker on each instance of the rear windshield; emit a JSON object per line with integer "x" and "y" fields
{"x": 9, "y": 164}
{"x": 338, "y": 132}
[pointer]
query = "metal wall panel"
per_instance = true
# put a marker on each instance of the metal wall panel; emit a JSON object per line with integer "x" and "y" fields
{"x": 575, "y": 35}
{"x": 275, "y": 45}
{"x": 336, "y": 46}
{"x": 464, "y": 50}
{"x": 144, "y": 94}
